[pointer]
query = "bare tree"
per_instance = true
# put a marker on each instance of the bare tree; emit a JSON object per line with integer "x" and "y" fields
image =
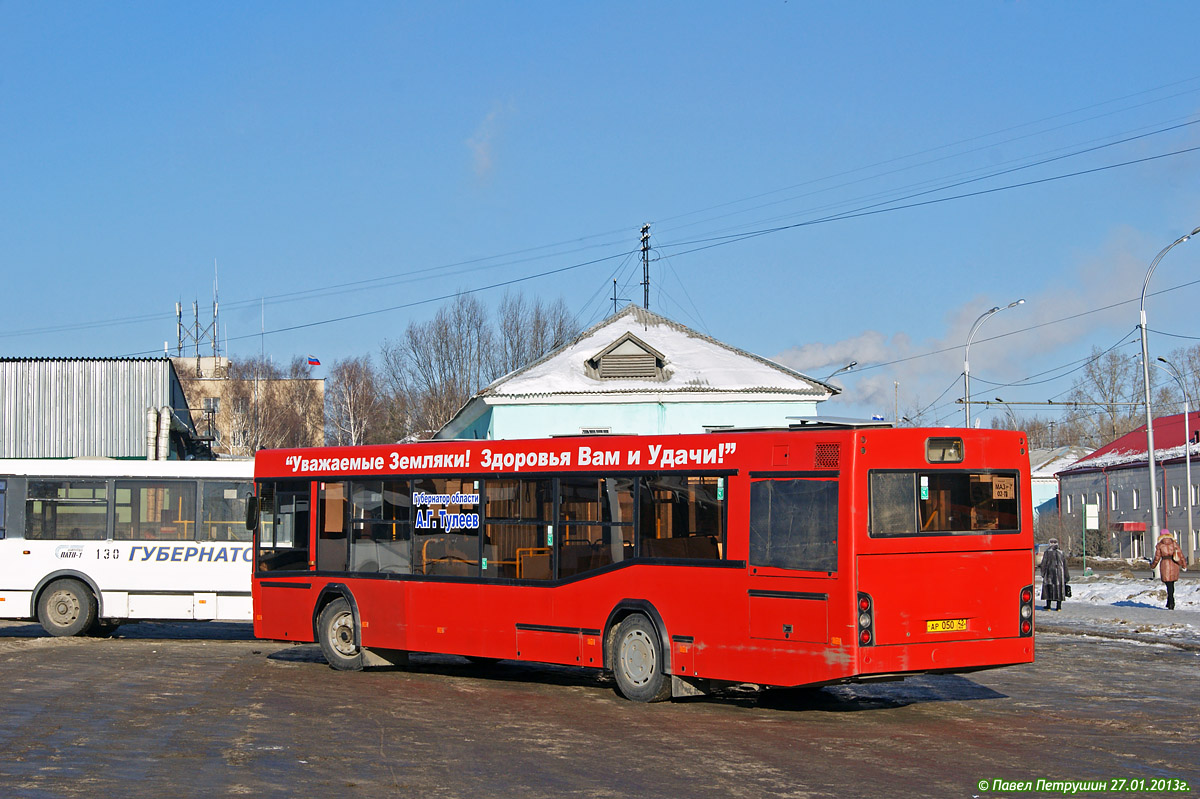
{"x": 354, "y": 403}
{"x": 437, "y": 366}
{"x": 303, "y": 406}
{"x": 528, "y": 330}
{"x": 1187, "y": 361}
{"x": 1111, "y": 385}
{"x": 264, "y": 406}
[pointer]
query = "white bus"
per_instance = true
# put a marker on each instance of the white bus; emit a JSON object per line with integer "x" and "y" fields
{"x": 88, "y": 543}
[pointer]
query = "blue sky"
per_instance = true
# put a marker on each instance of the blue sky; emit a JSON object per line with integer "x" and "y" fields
{"x": 338, "y": 160}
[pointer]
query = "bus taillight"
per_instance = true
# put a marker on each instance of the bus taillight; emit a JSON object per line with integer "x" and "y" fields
{"x": 1026, "y": 611}
{"x": 866, "y": 620}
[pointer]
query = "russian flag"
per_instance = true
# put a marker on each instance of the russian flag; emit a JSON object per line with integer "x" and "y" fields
{"x": 312, "y": 361}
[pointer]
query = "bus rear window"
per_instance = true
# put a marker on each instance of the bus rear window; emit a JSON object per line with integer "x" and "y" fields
{"x": 943, "y": 503}
{"x": 944, "y": 450}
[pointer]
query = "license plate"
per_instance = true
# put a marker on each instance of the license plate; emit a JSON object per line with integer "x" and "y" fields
{"x": 946, "y": 626}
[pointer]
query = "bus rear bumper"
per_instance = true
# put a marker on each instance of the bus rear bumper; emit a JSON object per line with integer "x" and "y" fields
{"x": 944, "y": 657}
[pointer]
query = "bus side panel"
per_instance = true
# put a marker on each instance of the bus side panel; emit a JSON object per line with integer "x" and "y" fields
{"x": 564, "y": 624}
{"x": 15, "y": 604}
{"x": 283, "y": 609}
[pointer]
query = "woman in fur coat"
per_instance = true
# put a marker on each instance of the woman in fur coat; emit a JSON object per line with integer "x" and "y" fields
{"x": 1054, "y": 575}
{"x": 1168, "y": 557}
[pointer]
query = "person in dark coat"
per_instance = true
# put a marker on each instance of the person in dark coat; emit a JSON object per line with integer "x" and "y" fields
{"x": 1054, "y": 575}
{"x": 1168, "y": 557}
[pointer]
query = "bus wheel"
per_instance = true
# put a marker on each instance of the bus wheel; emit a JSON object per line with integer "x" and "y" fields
{"x": 66, "y": 607}
{"x": 335, "y": 630}
{"x": 638, "y": 662}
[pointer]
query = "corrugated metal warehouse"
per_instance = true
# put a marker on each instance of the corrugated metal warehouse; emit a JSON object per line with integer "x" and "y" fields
{"x": 92, "y": 407}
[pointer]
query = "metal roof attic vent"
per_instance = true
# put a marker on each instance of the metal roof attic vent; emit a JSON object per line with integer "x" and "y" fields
{"x": 627, "y": 358}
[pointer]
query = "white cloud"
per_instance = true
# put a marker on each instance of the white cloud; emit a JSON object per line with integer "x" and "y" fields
{"x": 481, "y": 143}
{"x": 1110, "y": 275}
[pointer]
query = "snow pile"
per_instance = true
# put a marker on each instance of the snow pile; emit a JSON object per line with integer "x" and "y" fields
{"x": 1127, "y": 607}
{"x": 1136, "y": 591}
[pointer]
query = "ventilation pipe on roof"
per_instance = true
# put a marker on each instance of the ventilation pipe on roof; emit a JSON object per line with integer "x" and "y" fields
{"x": 151, "y": 432}
{"x": 163, "y": 451}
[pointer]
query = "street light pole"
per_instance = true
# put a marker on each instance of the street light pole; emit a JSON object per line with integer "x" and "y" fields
{"x": 1012, "y": 417}
{"x": 1187, "y": 457}
{"x": 1146, "y": 385}
{"x": 967, "y": 355}
{"x": 845, "y": 368}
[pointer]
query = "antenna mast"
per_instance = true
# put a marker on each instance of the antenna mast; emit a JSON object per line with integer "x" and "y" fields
{"x": 192, "y": 335}
{"x": 615, "y": 298}
{"x": 646, "y": 265}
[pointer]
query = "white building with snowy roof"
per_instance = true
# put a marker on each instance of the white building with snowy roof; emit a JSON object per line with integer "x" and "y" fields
{"x": 1044, "y": 466}
{"x": 638, "y": 372}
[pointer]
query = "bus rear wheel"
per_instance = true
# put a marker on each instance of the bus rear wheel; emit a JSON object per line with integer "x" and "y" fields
{"x": 638, "y": 661}
{"x": 338, "y": 635}
{"x": 66, "y": 607}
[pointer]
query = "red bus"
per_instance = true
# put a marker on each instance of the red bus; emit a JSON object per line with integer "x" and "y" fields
{"x": 807, "y": 556}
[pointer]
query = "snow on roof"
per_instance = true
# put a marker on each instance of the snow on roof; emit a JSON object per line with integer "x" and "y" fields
{"x": 1045, "y": 463}
{"x": 692, "y": 363}
{"x": 1169, "y": 440}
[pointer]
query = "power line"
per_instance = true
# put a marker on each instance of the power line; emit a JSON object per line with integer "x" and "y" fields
{"x": 888, "y": 192}
{"x": 415, "y": 303}
{"x": 480, "y": 262}
{"x": 962, "y": 141}
{"x": 378, "y": 282}
{"x": 873, "y": 209}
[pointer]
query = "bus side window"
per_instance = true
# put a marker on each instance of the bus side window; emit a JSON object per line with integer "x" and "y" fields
{"x": 681, "y": 516}
{"x": 223, "y": 512}
{"x": 62, "y": 509}
{"x": 155, "y": 510}
{"x": 445, "y": 545}
{"x": 380, "y": 527}
{"x": 283, "y": 525}
{"x": 794, "y": 524}
{"x": 517, "y": 522}
{"x": 596, "y": 520}
{"x": 2, "y": 515}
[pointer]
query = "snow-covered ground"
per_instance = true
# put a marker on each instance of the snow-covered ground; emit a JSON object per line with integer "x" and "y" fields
{"x": 1130, "y": 605}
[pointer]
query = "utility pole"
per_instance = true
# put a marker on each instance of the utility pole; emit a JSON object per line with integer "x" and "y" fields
{"x": 646, "y": 265}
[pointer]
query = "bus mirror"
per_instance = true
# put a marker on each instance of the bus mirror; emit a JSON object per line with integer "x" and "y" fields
{"x": 251, "y": 512}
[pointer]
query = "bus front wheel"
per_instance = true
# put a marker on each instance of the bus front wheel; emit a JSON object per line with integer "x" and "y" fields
{"x": 638, "y": 662}
{"x": 338, "y": 636}
{"x": 66, "y": 607}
